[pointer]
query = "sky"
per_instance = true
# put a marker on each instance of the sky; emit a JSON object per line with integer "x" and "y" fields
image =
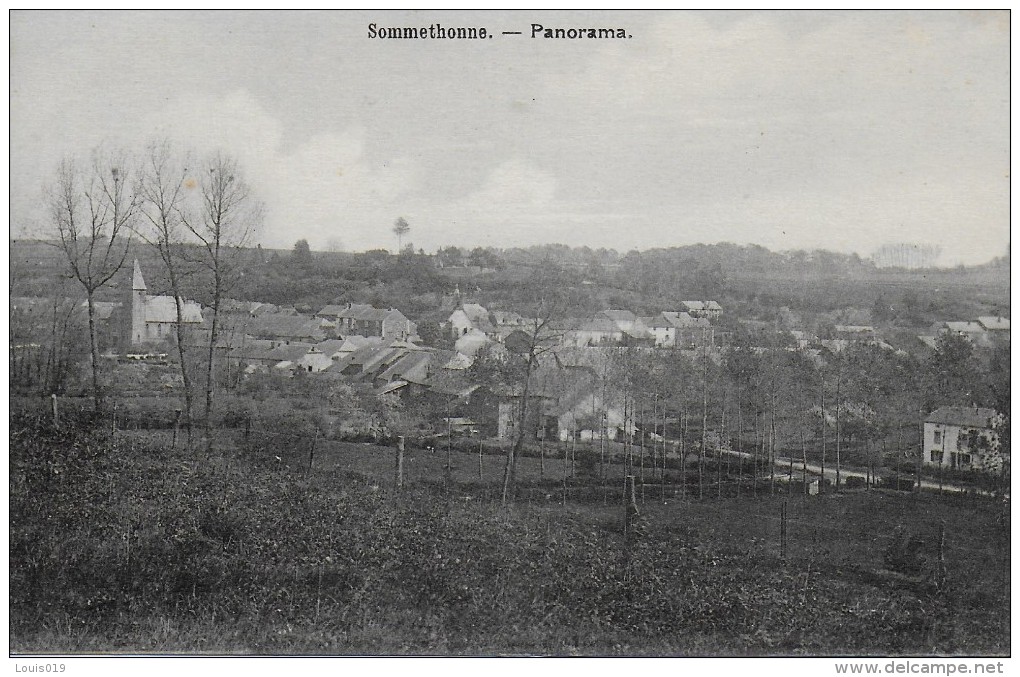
{"x": 792, "y": 130}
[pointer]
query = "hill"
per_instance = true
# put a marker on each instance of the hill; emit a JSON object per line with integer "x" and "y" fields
{"x": 749, "y": 281}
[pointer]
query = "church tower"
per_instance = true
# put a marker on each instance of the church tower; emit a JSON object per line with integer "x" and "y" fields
{"x": 139, "y": 294}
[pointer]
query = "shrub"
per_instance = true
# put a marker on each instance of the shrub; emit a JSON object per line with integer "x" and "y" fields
{"x": 905, "y": 552}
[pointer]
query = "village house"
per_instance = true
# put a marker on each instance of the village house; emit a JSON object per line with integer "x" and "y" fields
{"x": 365, "y": 320}
{"x": 252, "y": 352}
{"x": 472, "y": 341}
{"x": 963, "y": 438}
{"x": 504, "y": 318}
{"x": 972, "y": 331}
{"x": 623, "y": 319}
{"x": 662, "y": 330}
{"x": 286, "y": 356}
{"x": 564, "y": 402}
{"x": 284, "y": 328}
{"x": 470, "y": 316}
{"x": 803, "y": 339}
{"x": 584, "y": 414}
{"x": 416, "y": 366}
{"x": 597, "y": 331}
{"x": 314, "y": 360}
{"x": 997, "y": 326}
{"x": 638, "y": 335}
{"x": 854, "y": 332}
{"x": 707, "y": 309}
{"x": 691, "y": 332}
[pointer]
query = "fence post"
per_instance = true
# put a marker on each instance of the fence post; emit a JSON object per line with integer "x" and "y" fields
{"x": 177, "y": 427}
{"x": 541, "y": 452}
{"x": 480, "y": 475}
{"x": 56, "y": 416}
{"x": 782, "y": 531}
{"x": 566, "y": 460}
{"x": 630, "y": 513}
{"x": 398, "y": 479}
{"x": 940, "y": 572}
{"x": 311, "y": 453}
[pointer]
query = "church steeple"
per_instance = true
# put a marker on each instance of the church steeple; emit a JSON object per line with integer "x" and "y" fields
{"x": 137, "y": 282}
{"x": 139, "y": 299}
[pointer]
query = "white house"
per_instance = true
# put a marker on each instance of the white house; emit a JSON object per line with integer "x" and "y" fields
{"x": 470, "y": 316}
{"x": 315, "y": 360}
{"x": 662, "y": 329}
{"x": 963, "y": 438}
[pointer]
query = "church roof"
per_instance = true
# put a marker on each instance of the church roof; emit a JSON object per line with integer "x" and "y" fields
{"x": 163, "y": 309}
{"x": 137, "y": 282}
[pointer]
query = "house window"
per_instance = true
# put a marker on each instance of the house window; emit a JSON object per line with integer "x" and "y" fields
{"x": 936, "y": 456}
{"x": 960, "y": 460}
{"x": 938, "y": 437}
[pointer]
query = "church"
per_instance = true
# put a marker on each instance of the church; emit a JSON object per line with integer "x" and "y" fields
{"x": 153, "y": 319}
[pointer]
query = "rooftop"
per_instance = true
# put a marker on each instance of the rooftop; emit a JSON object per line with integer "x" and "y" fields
{"x": 971, "y": 417}
{"x": 994, "y": 323}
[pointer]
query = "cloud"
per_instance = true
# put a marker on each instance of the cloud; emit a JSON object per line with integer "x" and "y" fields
{"x": 502, "y": 211}
{"x": 328, "y": 189}
{"x": 514, "y": 184}
{"x": 323, "y": 189}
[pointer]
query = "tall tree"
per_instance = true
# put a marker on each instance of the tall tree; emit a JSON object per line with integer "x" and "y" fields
{"x": 952, "y": 373}
{"x": 540, "y": 341}
{"x": 302, "y": 252}
{"x": 222, "y": 222}
{"x": 93, "y": 209}
{"x": 400, "y": 229}
{"x": 513, "y": 369}
{"x": 162, "y": 190}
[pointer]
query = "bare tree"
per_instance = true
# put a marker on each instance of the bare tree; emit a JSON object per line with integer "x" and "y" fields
{"x": 540, "y": 340}
{"x": 400, "y": 229}
{"x": 93, "y": 209}
{"x": 223, "y": 222}
{"x": 162, "y": 191}
{"x": 513, "y": 367}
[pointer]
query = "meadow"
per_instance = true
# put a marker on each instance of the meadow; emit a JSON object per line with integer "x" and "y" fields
{"x": 126, "y": 542}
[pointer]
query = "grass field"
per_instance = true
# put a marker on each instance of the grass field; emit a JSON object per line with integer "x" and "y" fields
{"x": 128, "y": 545}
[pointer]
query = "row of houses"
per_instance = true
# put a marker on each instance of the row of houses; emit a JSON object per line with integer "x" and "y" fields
{"x": 669, "y": 329}
{"x": 145, "y": 319}
{"x": 985, "y": 331}
{"x": 565, "y": 400}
